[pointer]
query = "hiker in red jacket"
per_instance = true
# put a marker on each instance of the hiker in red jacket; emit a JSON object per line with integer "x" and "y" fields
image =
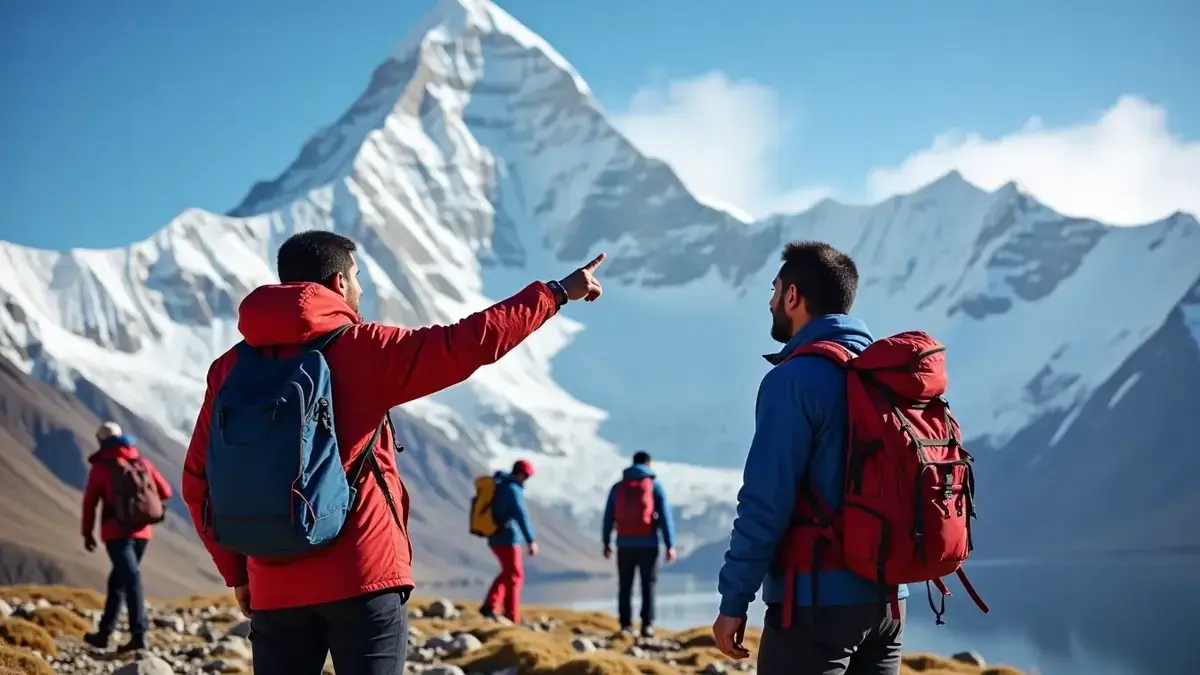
{"x": 131, "y": 492}
{"x": 348, "y": 599}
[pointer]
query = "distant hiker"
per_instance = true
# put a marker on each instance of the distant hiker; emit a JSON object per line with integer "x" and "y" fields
{"x": 800, "y": 510}
{"x": 291, "y": 475}
{"x": 511, "y": 526}
{"x": 637, "y": 507}
{"x": 131, "y": 494}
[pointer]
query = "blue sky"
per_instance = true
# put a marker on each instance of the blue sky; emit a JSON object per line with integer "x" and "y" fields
{"x": 120, "y": 114}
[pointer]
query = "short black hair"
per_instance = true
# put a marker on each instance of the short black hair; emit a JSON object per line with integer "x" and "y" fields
{"x": 314, "y": 255}
{"x": 641, "y": 457}
{"x": 825, "y": 277}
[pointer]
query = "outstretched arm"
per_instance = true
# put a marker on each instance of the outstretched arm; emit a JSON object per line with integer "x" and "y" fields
{"x": 774, "y": 466}
{"x": 413, "y": 363}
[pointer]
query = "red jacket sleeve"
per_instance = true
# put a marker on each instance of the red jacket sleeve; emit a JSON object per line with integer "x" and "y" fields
{"x": 91, "y": 499}
{"x": 230, "y": 564}
{"x": 164, "y": 488}
{"x": 411, "y": 363}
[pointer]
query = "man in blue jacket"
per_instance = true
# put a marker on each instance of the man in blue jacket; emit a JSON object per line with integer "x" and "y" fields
{"x": 799, "y": 433}
{"x": 637, "y": 506}
{"x": 508, "y": 509}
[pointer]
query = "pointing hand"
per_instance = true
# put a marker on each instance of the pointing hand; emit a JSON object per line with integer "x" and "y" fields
{"x": 581, "y": 284}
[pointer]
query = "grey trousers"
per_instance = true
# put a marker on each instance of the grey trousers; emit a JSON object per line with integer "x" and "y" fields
{"x": 833, "y": 640}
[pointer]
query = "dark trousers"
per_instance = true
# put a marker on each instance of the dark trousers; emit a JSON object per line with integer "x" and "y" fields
{"x": 833, "y": 640}
{"x": 125, "y": 586}
{"x": 644, "y": 562}
{"x": 366, "y": 635}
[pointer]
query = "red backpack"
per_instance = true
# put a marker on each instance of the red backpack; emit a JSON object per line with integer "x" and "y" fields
{"x": 136, "y": 501}
{"x": 634, "y": 513}
{"x": 909, "y": 491}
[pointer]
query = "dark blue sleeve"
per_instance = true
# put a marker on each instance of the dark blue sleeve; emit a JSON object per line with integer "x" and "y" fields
{"x": 522, "y": 515}
{"x": 607, "y": 522}
{"x": 774, "y": 466}
{"x": 666, "y": 522}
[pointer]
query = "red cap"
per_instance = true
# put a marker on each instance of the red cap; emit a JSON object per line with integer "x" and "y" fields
{"x": 523, "y": 466}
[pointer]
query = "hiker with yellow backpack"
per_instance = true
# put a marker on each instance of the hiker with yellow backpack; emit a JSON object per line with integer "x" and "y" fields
{"x": 498, "y": 513}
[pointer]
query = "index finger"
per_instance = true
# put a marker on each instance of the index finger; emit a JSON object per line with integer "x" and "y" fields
{"x": 594, "y": 263}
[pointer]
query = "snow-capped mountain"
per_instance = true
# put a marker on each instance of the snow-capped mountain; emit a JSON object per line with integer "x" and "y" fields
{"x": 476, "y": 160}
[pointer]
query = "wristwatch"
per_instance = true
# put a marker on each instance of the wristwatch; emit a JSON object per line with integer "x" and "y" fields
{"x": 560, "y": 293}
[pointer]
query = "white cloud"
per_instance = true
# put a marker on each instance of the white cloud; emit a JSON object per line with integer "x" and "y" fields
{"x": 722, "y": 138}
{"x": 1123, "y": 168}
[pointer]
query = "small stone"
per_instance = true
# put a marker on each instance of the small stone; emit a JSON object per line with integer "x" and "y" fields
{"x": 442, "y": 609}
{"x": 443, "y": 670}
{"x": 172, "y": 623}
{"x": 583, "y": 645}
{"x": 151, "y": 665}
{"x": 972, "y": 657}
{"x": 6, "y": 610}
{"x": 713, "y": 669}
{"x": 241, "y": 630}
{"x": 232, "y": 647}
{"x": 465, "y": 643}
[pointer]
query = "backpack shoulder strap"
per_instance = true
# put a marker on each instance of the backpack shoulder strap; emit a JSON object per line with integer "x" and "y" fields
{"x": 367, "y": 458}
{"x": 827, "y": 349}
{"x": 323, "y": 342}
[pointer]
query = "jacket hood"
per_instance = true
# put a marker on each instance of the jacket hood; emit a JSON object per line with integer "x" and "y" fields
{"x": 115, "y": 447}
{"x": 287, "y": 314}
{"x": 637, "y": 471}
{"x": 840, "y": 328}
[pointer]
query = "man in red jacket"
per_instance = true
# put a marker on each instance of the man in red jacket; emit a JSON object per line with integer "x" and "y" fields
{"x": 349, "y": 598}
{"x": 125, "y": 547}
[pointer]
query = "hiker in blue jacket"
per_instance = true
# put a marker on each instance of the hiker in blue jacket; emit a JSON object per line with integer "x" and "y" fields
{"x": 508, "y": 509}
{"x": 799, "y": 433}
{"x": 637, "y": 539}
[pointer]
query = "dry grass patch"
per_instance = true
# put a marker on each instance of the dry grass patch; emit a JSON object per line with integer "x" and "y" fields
{"x": 28, "y": 635}
{"x": 700, "y": 658}
{"x": 1001, "y": 670}
{"x": 202, "y": 601}
{"x": 529, "y": 651}
{"x": 15, "y": 661}
{"x": 611, "y": 664}
{"x": 81, "y": 598}
{"x": 937, "y": 665}
{"x": 60, "y": 621}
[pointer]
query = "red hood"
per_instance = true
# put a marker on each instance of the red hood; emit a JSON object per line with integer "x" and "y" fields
{"x": 286, "y": 314}
{"x": 111, "y": 451}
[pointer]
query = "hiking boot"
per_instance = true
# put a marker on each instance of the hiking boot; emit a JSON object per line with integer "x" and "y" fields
{"x": 135, "y": 643}
{"x": 98, "y": 640}
{"x": 627, "y": 630}
{"x": 487, "y": 613}
{"x": 647, "y": 632}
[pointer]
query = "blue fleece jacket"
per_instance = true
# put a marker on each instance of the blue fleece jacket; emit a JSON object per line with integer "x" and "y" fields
{"x": 799, "y": 424}
{"x": 664, "y": 523}
{"x": 508, "y": 508}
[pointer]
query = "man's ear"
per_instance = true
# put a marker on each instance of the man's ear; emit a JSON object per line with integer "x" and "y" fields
{"x": 338, "y": 284}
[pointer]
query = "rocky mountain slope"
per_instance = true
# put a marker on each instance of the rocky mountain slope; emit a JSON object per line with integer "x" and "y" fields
{"x": 45, "y": 436}
{"x": 477, "y": 158}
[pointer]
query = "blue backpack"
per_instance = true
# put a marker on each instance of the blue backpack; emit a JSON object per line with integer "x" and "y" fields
{"x": 276, "y": 486}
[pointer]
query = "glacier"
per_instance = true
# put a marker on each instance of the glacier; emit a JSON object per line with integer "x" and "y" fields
{"x": 476, "y": 159}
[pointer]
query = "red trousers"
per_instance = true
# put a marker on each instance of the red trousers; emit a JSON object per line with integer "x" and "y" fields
{"x": 506, "y": 589}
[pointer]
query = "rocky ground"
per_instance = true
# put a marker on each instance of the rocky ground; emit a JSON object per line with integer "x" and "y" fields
{"x": 40, "y": 627}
